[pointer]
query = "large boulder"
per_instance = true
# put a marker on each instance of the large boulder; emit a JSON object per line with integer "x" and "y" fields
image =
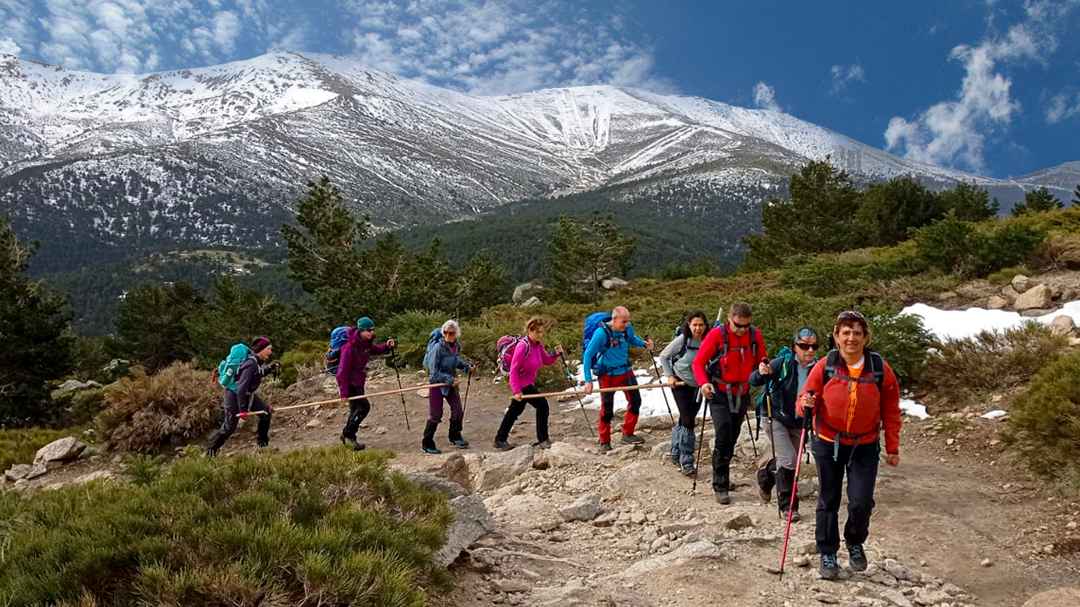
{"x": 1035, "y": 298}
{"x": 1021, "y": 283}
{"x": 564, "y": 454}
{"x": 72, "y": 386}
{"x": 613, "y": 284}
{"x": 997, "y": 302}
{"x": 524, "y": 511}
{"x": 1058, "y": 597}
{"x": 501, "y": 468}
{"x": 62, "y": 450}
{"x": 1009, "y": 293}
{"x": 525, "y": 291}
{"x": 584, "y": 508}
{"x": 471, "y": 522}
{"x": 1062, "y": 325}
{"x": 17, "y": 472}
{"x": 531, "y": 302}
{"x": 436, "y": 483}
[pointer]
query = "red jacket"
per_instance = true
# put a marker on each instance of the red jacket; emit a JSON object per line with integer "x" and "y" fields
{"x": 737, "y": 366}
{"x": 873, "y": 408}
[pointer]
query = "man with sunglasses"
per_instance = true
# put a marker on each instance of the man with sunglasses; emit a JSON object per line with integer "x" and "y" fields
{"x": 853, "y": 396}
{"x": 784, "y": 377}
{"x": 722, "y": 367}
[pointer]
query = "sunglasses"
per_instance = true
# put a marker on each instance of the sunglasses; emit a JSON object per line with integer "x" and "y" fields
{"x": 738, "y": 326}
{"x": 800, "y": 345}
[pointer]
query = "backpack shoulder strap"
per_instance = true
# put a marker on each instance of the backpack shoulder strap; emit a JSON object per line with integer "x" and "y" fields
{"x": 877, "y": 367}
{"x": 724, "y": 338}
{"x": 832, "y": 360}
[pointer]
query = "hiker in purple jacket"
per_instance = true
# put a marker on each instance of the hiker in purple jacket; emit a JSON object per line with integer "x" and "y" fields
{"x": 529, "y": 356}
{"x": 352, "y": 375}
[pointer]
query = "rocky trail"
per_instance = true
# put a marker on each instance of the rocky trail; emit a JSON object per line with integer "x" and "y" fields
{"x": 570, "y": 526}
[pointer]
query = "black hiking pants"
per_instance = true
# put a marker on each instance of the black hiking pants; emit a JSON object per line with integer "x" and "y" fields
{"x": 358, "y": 410}
{"x": 727, "y": 417}
{"x": 686, "y": 401}
{"x": 517, "y": 407}
{"x": 231, "y": 407}
{"x": 861, "y": 465}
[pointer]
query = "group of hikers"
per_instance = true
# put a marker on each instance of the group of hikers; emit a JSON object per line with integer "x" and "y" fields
{"x": 837, "y": 406}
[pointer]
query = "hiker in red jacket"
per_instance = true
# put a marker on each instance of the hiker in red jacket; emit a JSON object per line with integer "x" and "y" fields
{"x": 853, "y": 394}
{"x": 722, "y": 368}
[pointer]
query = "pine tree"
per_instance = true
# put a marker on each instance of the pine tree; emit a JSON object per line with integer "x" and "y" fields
{"x": 581, "y": 255}
{"x": 1037, "y": 201}
{"x": 482, "y": 283}
{"x": 969, "y": 202}
{"x": 888, "y": 211}
{"x": 150, "y": 329}
{"x": 36, "y": 342}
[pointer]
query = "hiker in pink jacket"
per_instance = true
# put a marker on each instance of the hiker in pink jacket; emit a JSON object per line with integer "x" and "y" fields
{"x": 529, "y": 357}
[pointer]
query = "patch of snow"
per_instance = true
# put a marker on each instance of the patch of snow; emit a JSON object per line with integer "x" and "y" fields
{"x": 995, "y": 414}
{"x": 652, "y": 401}
{"x": 963, "y": 324}
{"x": 913, "y": 408}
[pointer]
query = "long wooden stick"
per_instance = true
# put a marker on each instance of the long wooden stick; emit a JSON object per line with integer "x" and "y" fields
{"x": 580, "y": 393}
{"x": 338, "y": 400}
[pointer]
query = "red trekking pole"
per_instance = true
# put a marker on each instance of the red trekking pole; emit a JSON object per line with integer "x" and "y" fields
{"x": 808, "y": 423}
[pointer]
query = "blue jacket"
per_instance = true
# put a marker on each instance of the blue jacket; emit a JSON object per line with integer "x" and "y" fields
{"x": 447, "y": 363}
{"x": 613, "y": 349}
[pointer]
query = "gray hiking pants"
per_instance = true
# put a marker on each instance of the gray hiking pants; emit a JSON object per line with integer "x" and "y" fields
{"x": 786, "y": 442}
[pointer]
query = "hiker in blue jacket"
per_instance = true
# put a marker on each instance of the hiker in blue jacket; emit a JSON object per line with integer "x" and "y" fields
{"x": 243, "y": 398}
{"x": 784, "y": 378}
{"x": 443, "y": 360}
{"x": 608, "y": 355}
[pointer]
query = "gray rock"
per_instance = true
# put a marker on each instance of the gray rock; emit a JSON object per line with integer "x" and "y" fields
{"x": 17, "y": 472}
{"x": 97, "y": 475}
{"x": 471, "y": 522}
{"x": 501, "y": 468}
{"x": 896, "y": 598}
{"x": 896, "y": 570}
{"x": 584, "y": 508}
{"x": 61, "y": 450}
{"x": 606, "y": 520}
{"x": 456, "y": 468}
{"x": 36, "y": 471}
{"x": 525, "y": 291}
{"x": 1021, "y": 283}
{"x": 564, "y": 454}
{"x": 928, "y": 596}
{"x": 1058, "y": 597}
{"x": 1009, "y": 293}
{"x": 1036, "y": 298}
{"x": 739, "y": 522}
{"x": 436, "y": 483}
{"x": 997, "y": 302}
{"x": 314, "y": 423}
{"x": 676, "y": 527}
{"x": 73, "y": 385}
{"x": 512, "y": 586}
{"x": 693, "y": 551}
{"x": 1062, "y": 325}
{"x": 613, "y": 284}
{"x": 531, "y": 302}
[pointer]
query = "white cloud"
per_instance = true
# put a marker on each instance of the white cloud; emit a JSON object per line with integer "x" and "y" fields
{"x": 489, "y": 47}
{"x": 1062, "y": 107}
{"x": 842, "y": 75}
{"x": 8, "y": 47}
{"x": 954, "y": 132}
{"x": 765, "y": 97}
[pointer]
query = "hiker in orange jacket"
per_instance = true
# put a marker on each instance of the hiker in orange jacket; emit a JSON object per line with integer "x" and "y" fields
{"x": 854, "y": 395}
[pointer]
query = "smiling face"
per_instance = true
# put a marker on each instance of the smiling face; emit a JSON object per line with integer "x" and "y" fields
{"x": 697, "y": 328}
{"x": 850, "y": 338}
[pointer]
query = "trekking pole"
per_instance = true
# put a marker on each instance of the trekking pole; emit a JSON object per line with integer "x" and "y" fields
{"x": 660, "y": 378}
{"x": 808, "y": 422}
{"x": 701, "y": 442}
{"x": 581, "y": 403}
{"x": 573, "y": 391}
{"x": 772, "y": 443}
{"x": 750, "y": 429}
{"x": 468, "y": 384}
{"x": 394, "y": 361}
{"x": 335, "y": 401}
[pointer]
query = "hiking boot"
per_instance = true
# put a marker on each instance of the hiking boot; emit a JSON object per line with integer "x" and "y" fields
{"x": 352, "y": 443}
{"x": 211, "y": 452}
{"x": 857, "y": 557}
{"x": 502, "y": 445}
{"x": 690, "y": 472}
{"x": 830, "y": 569}
{"x": 431, "y": 450}
{"x": 794, "y": 515}
{"x": 632, "y": 439}
{"x": 460, "y": 443}
{"x": 544, "y": 444}
{"x": 605, "y": 446}
{"x": 722, "y": 497}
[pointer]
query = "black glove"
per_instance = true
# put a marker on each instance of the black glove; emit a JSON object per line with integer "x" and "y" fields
{"x": 274, "y": 368}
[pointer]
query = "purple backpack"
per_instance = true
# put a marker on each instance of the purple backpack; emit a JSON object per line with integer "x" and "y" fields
{"x": 506, "y": 346}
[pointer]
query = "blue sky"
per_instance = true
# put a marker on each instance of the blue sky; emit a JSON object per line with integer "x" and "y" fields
{"x": 985, "y": 85}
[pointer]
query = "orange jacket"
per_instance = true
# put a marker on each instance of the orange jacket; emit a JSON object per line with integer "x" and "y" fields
{"x": 862, "y": 423}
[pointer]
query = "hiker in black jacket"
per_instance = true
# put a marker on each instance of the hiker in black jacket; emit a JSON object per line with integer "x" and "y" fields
{"x": 784, "y": 377}
{"x": 244, "y": 399}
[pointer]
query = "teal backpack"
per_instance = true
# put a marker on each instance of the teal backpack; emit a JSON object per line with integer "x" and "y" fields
{"x": 229, "y": 368}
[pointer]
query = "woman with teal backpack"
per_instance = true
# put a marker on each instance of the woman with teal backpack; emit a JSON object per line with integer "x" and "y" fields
{"x": 240, "y": 374}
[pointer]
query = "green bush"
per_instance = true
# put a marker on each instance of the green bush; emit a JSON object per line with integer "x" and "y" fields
{"x": 304, "y": 356}
{"x": 316, "y": 527}
{"x": 969, "y": 249}
{"x": 903, "y": 342}
{"x": 1044, "y": 422}
{"x": 412, "y": 329}
{"x": 963, "y": 371}
{"x": 145, "y": 413}
{"x": 18, "y": 445}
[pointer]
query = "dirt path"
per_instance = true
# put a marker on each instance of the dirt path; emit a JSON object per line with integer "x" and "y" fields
{"x": 938, "y": 514}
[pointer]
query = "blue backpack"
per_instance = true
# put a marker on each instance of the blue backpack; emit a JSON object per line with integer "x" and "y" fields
{"x": 338, "y": 337}
{"x": 229, "y": 369}
{"x": 433, "y": 345}
{"x": 594, "y": 321}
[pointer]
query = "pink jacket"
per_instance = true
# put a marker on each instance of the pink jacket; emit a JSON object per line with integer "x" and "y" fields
{"x": 528, "y": 358}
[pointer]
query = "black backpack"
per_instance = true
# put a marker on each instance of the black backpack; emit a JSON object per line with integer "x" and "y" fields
{"x": 685, "y": 345}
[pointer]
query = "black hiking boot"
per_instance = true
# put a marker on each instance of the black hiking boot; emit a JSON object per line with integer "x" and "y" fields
{"x": 857, "y": 558}
{"x": 502, "y": 445}
{"x": 722, "y": 497}
{"x": 460, "y": 443}
{"x": 632, "y": 439}
{"x": 688, "y": 472}
{"x": 794, "y": 515}
{"x": 431, "y": 450}
{"x": 352, "y": 443}
{"x": 605, "y": 446}
{"x": 830, "y": 569}
{"x": 427, "y": 445}
{"x": 544, "y": 444}
{"x": 455, "y": 435}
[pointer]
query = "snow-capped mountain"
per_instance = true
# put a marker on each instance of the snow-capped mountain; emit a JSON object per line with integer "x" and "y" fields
{"x": 216, "y": 156}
